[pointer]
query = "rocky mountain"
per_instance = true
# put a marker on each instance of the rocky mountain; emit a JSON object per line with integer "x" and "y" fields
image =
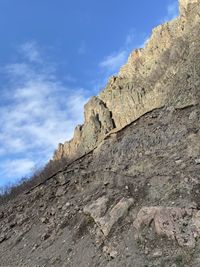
{"x": 130, "y": 194}
{"x": 165, "y": 72}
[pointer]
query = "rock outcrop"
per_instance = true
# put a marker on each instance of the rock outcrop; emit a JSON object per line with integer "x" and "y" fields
{"x": 134, "y": 200}
{"x": 178, "y": 224}
{"x": 106, "y": 221}
{"x": 165, "y": 72}
{"x": 98, "y": 123}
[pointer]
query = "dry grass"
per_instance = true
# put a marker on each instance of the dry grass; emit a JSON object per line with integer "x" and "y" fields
{"x": 10, "y": 192}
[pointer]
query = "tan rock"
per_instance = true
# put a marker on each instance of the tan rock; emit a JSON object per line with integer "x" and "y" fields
{"x": 184, "y": 4}
{"x": 178, "y": 224}
{"x": 164, "y": 72}
{"x": 117, "y": 212}
{"x": 44, "y": 220}
{"x": 98, "y": 122}
{"x": 196, "y": 222}
{"x": 110, "y": 251}
{"x": 106, "y": 222}
{"x": 98, "y": 208}
{"x": 61, "y": 191}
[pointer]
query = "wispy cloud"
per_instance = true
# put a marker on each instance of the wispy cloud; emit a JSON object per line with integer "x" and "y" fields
{"x": 20, "y": 166}
{"x": 31, "y": 51}
{"x": 37, "y": 113}
{"x": 112, "y": 63}
{"x": 172, "y": 11}
{"x": 115, "y": 61}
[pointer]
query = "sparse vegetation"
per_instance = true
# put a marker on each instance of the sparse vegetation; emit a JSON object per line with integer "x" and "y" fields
{"x": 11, "y": 191}
{"x": 179, "y": 260}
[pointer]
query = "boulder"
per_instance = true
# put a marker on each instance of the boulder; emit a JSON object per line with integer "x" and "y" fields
{"x": 98, "y": 208}
{"x": 178, "y": 224}
{"x": 106, "y": 222}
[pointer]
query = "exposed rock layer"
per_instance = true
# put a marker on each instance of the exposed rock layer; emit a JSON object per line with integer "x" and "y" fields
{"x": 134, "y": 200}
{"x": 165, "y": 72}
{"x": 177, "y": 224}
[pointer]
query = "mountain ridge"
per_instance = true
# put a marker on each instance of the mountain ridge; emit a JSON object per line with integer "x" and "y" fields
{"x": 138, "y": 87}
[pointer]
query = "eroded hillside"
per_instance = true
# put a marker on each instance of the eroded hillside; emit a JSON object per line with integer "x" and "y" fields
{"x": 133, "y": 201}
{"x": 133, "y": 197}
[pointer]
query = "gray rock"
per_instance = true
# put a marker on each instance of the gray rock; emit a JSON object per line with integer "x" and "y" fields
{"x": 61, "y": 191}
{"x": 97, "y": 209}
{"x": 177, "y": 224}
{"x": 106, "y": 222}
{"x": 193, "y": 115}
{"x": 149, "y": 163}
{"x": 197, "y": 161}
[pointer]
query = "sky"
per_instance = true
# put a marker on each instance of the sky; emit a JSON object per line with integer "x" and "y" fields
{"x": 55, "y": 55}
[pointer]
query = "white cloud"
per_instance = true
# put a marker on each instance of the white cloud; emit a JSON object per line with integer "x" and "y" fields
{"x": 38, "y": 113}
{"x": 112, "y": 63}
{"x": 20, "y": 166}
{"x": 172, "y": 11}
{"x": 115, "y": 61}
{"x": 31, "y": 52}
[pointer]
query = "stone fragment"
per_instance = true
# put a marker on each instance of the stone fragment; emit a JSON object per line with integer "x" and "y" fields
{"x": 197, "y": 161}
{"x": 44, "y": 220}
{"x": 61, "y": 191}
{"x": 45, "y": 236}
{"x": 106, "y": 222}
{"x": 35, "y": 247}
{"x": 98, "y": 208}
{"x": 119, "y": 211}
{"x": 110, "y": 251}
{"x": 157, "y": 253}
{"x": 178, "y": 224}
{"x": 196, "y": 222}
{"x": 193, "y": 115}
{"x": 61, "y": 178}
{"x": 66, "y": 206}
{"x": 2, "y": 238}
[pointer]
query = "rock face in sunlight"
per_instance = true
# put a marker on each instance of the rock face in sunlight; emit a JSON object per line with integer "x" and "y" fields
{"x": 130, "y": 195}
{"x": 163, "y": 73}
{"x": 98, "y": 123}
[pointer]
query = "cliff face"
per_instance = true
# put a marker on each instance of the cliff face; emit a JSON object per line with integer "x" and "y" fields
{"x": 134, "y": 200}
{"x": 165, "y": 72}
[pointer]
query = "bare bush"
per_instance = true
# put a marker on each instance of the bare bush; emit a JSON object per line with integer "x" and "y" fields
{"x": 39, "y": 176}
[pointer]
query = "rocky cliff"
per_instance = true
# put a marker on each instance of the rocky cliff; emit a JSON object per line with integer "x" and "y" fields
{"x": 134, "y": 199}
{"x": 165, "y": 72}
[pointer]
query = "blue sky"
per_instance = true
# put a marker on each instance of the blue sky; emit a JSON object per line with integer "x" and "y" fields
{"x": 54, "y": 55}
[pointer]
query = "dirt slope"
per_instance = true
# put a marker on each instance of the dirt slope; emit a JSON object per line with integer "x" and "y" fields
{"x": 100, "y": 211}
{"x": 133, "y": 197}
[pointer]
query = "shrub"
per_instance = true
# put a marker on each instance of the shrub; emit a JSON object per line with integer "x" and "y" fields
{"x": 39, "y": 176}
